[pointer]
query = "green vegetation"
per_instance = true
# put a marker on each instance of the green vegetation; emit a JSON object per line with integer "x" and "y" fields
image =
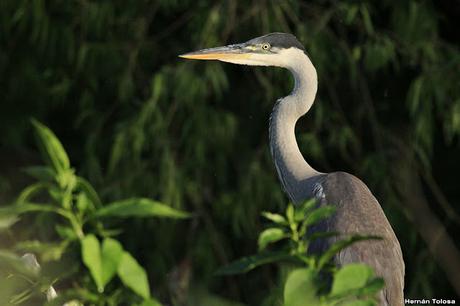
{"x": 353, "y": 284}
{"x": 141, "y": 124}
{"x": 80, "y": 215}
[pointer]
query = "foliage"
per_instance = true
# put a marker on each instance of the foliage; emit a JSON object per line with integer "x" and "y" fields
{"x": 140, "y": 122}
{"x": 59, "y": 191}
{"x": 308, "y": 284}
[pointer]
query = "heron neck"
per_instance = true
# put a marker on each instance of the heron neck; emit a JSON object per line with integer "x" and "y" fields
{"x": 295, "y": 174}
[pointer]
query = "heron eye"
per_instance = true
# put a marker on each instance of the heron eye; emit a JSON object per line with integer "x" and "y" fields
{"x": 266, "y": 46}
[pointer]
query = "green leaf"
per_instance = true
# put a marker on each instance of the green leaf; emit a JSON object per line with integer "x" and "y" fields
{"x": 133, "y": 275}
{"x": 270, "y": 235}
{"x": 373, "y": 286}
{"x": 7, "y": 220}
{"x": 151, "y": 302}
{"x": 86, "y": 187}
{"x": 301, "y": 211}
{"x": 276, "y": 218}
{"x": 300, "y": 288}
{"x": 83, "y": 203}
{"x": 319, "y": 214}
{"x": 67, "y": 179}
{"x": 351, "y": 276}
{"x": 290, "y": 213}
{"x": 246, "y": 264}
{"x": 26, "y": 208}
{"x": 42, "y": 173}
{"x": 340, "y": 245}
{"x": 355, "y": 281}
{"x": 91, "y": 255}
{"x": 51, "y": 147}
{"x": 112, "y": 252}
{"x": 367, "y": 19}
{"x": 28, "y": 192}
{"x": 140, "y": 207}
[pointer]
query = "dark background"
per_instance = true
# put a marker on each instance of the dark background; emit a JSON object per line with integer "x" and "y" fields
{"x": 138, "y": 121}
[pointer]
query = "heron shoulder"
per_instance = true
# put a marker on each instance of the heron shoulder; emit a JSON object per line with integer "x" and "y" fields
{"x": 357, "y": 210}
{"x": 344, "y": 186}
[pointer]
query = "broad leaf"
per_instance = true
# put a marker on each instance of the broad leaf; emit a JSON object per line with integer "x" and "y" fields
{"x": 300, "y": 288}
{"x": 270, "y": 235}
{"x": 352, "y": 276}
{"x": 303, "y": 209}
{"x": 83, "y": 202}
{"x": 86, "y": 187}
{"x": 246, "y": 264}
{"x": 140, "y": 207}
{"x": 276, "y": 218}
{"x": 290, "y": 213}
{"x": 319, "y": 214}
{"x": 150, "y": 302}
{"x": 51, "y": 147}
{"x": 112, "y": 252}
{"x": 373, "y": 286}
{"x": 91, "y": 254}
{"x": 26, "y": 208}
{"x": 133, "y": 275}
{"x": 7, "y": 220}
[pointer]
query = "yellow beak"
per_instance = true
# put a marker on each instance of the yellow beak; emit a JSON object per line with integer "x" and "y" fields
{"x": 220, "y": 53}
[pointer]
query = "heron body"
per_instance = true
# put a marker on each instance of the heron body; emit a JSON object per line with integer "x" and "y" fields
{"x": 357, "y": 210}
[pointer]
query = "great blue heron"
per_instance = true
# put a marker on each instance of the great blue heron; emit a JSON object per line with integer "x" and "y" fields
{"x": 357, "y": 210}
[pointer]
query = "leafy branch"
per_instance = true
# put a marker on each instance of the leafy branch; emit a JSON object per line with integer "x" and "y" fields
{"x": 61, "y": 192}
{"x": 353, "y": 283}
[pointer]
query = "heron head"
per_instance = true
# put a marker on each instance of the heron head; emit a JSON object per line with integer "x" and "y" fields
{"x": 275, "y": 49}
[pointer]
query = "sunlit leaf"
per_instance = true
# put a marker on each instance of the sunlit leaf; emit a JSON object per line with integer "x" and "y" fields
{"x": 319, "y": 214}
{"x": 86, "y": 187}
{"x": 270, "y": 235}
{"x": 7, "y": 220}
{"x": 27, "y": 208}
{"x": 300, "y": 288}
{"x": 91, "y": 255}
{"x": 112, "y": 252}
{"x": 83, "y": 203}
{"x": 277, "y": 218}
{"x": 290, "y": 213}
{"x": 140, "y": 207}
{"x": 52, "y": 148}
{"x": 351, "y": 276}
{"x": 133, "y": 275}
{"x": 303, "y": 209}
{"x": 150, "y": 302}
